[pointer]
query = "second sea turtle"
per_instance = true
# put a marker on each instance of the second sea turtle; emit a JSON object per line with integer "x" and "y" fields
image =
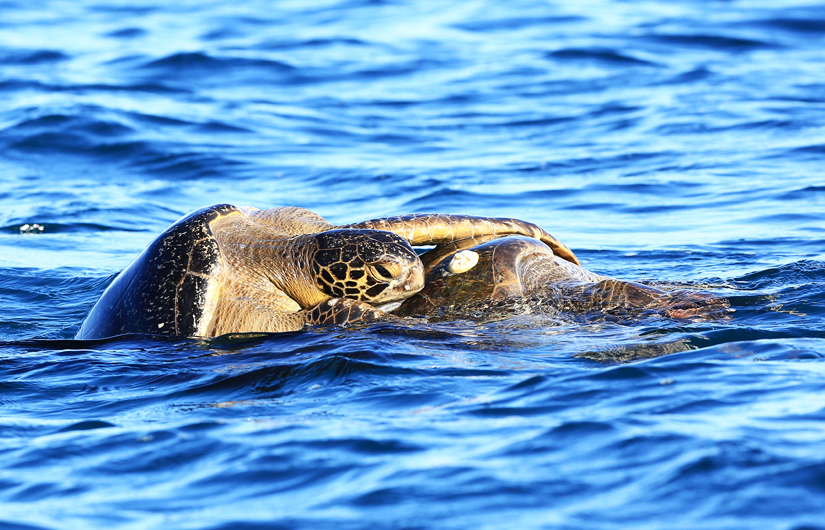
{"x": 487, "y": 278}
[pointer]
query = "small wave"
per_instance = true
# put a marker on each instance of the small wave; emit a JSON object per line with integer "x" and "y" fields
{"x": 715, "y": 42}
{"x": 217, "y": 127}
{"x": 806, "y": 26}
{"x": 61, "y": 228}
{"x": 32, "y": 57}
{"x": 87, "y": 426}
{"x": 48, "y": 124}
{"x": 44, "y": 122}
{"x": 71, "y": 136}
{"x": 203, "y": 64}
{"x": 365, "y": 446}
{"x": 62, "y": 133}
{"x": 123, "y": 9}
{"x": 7, "y": 525}
{"x": 815, "y": 149}
{"x": 150, "y": 88}
{"x": 789, "y": 125}
{"x": 788, "y": 217}
{"x": 804, "y": 193}
{"x": 506, "y": 24}
{"x": 603, "y": 55}
{"x": 127, "y": 33}
{"x": 120, "y": 343}
{"x": 654, "y": 208}
{"x": 446, "y": 198}
{"x": 14, "y": 85}
{"x": 184, "y": 164}
{"x": 804, "y": 271}
{"x": 397, "y": 69}
{"x": 536, "y": 122}
{"x": 294, "y": 44}
{"x": 70, "y": 143}
{"x": 692, "y": 76}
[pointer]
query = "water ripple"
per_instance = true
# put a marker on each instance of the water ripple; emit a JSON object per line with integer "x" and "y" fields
{"x": 675, "y": 144}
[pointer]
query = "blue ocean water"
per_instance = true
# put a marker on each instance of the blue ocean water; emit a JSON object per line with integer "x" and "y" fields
{"x": 671, "y": 142}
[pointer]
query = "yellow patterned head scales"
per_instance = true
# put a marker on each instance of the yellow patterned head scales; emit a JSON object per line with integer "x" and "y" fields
{"x": 372, "y": 266}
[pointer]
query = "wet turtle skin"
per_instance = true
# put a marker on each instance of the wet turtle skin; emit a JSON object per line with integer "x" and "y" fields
{"x": 522, "y": 275}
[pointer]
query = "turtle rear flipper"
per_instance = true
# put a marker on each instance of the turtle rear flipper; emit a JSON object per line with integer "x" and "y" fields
{"x": 611, "y": 296}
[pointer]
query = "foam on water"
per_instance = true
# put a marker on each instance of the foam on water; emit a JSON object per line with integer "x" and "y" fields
{"x": 669, "y": 142}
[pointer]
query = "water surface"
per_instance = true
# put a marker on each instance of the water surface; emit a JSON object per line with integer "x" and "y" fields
{"x": 666, "y": 142}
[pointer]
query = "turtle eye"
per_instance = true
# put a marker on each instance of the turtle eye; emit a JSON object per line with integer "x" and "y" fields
{"x": 384, "y": 272}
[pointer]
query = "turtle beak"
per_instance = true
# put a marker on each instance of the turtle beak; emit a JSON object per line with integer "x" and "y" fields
{"x": 407, "y": 285}
{"x": 415, "y": 280}
{"x": 402, "y": 289}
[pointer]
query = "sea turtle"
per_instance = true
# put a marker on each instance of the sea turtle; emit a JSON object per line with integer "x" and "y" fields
{"x": 225, "y": 269}
{"x": 487, "y": 277}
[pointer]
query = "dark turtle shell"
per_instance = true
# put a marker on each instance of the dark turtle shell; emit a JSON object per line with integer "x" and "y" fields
{"x": 164, "y": 290}
{"x": 521, "y": 274}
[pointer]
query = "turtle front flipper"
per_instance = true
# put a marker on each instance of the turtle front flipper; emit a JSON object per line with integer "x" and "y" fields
{"x": 344, "y": 311}
{"x": 246, "y": 316}
{"x": 439, "y": 229}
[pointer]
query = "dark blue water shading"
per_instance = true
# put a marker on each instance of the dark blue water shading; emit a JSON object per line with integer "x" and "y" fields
{"x": 675, "y": 143}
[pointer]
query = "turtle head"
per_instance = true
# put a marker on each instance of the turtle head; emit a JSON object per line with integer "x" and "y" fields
{"x": 372, "y": 266}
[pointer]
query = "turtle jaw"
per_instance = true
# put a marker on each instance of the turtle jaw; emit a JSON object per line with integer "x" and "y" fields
{"x": 401, "y": 288}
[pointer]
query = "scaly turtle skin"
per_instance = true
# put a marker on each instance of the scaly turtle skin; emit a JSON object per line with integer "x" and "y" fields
{"x": 226, "y": 269}
{"x": 518, "y": 274}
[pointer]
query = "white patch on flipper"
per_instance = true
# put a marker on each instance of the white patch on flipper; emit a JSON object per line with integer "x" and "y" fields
{"x": 462, "y": 261}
